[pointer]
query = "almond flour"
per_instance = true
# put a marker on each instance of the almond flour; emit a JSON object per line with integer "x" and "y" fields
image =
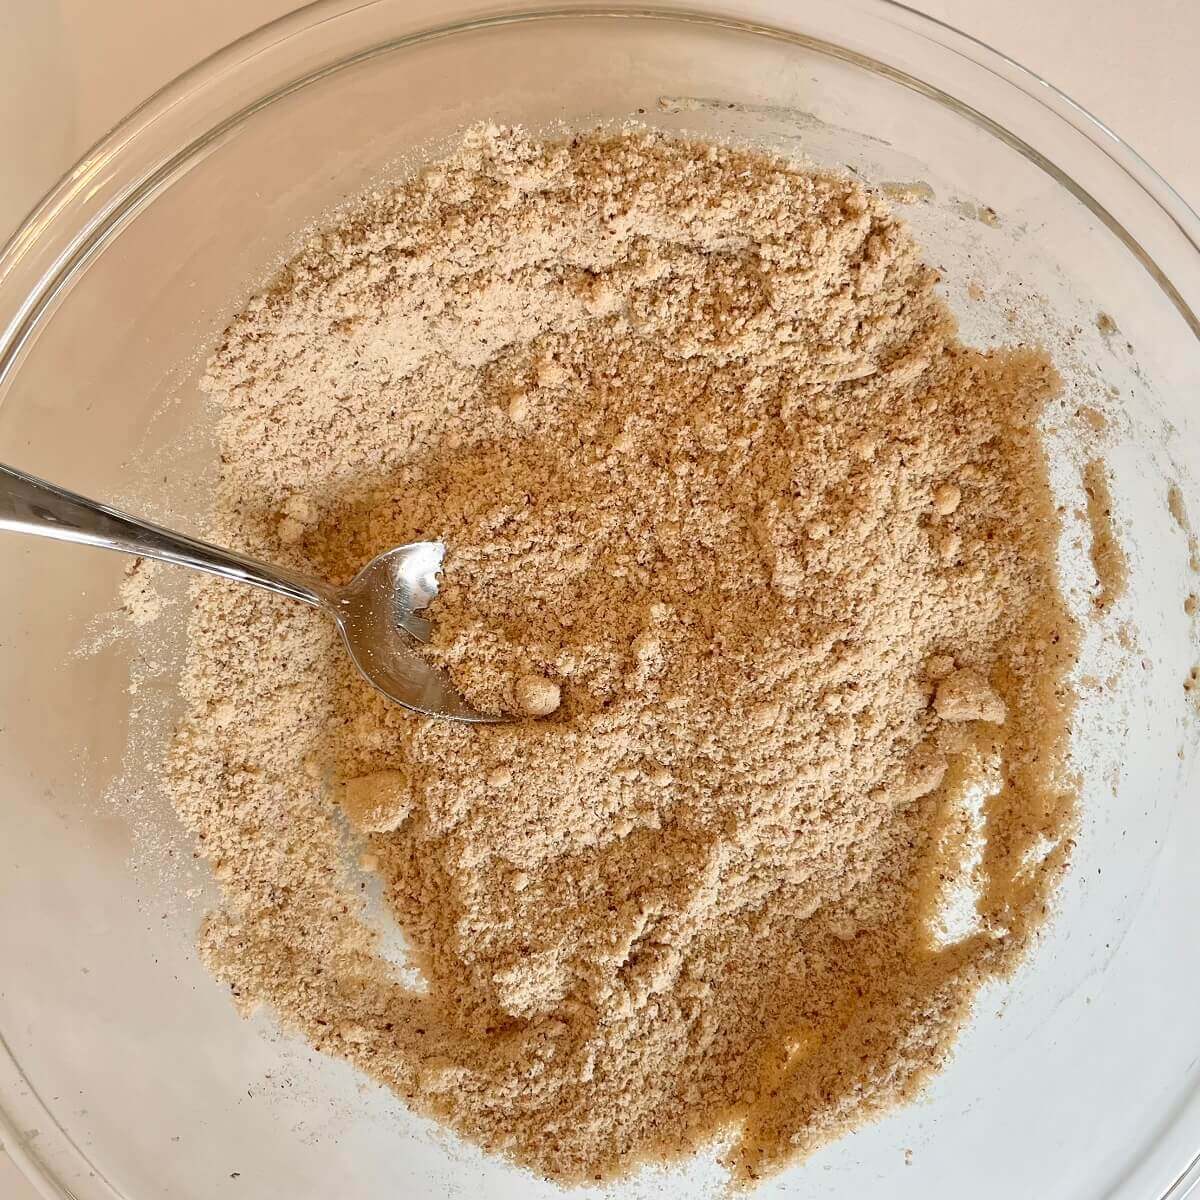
{"x": 765, "y": 557}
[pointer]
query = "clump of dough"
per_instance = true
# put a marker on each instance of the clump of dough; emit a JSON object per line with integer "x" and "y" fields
{"x": 297, "y": 515}
{"x": 965, "y": 695}
{"x": 379, "y": 802}
{"x": 536, "y": 696}
{"x": 946, "y": 498}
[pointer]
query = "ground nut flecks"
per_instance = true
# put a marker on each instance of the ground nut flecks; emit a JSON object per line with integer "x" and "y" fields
{"x": 679, "y": 413}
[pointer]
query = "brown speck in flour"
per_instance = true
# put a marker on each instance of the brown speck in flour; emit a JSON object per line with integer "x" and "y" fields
{"x": 140, "y": 601}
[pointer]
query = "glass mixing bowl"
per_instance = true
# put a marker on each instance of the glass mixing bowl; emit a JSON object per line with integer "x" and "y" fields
{"x": 124, "y": 1071}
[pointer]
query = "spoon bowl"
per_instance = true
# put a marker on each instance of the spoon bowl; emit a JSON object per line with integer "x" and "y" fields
{"x": 377, "y": 612}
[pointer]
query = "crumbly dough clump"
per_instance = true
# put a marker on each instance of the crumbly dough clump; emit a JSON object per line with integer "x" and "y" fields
{"x": 763, "y": 559}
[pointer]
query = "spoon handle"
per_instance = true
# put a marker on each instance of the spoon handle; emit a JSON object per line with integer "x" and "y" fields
{"x": 29, "y": 505}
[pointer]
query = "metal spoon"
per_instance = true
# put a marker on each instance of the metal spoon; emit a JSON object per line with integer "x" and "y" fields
{"x": 375, "y": 612}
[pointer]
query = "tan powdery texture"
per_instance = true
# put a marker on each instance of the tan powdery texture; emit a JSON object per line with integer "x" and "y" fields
{"x": 709, "y": 461}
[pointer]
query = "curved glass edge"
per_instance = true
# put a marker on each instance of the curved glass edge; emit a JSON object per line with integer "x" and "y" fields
{"x": 84, "y": 187}
{"x": 64, "y": 1157}
{"x": 1050, "y": 96}
{"x": 94, "y": 187}
{"x": 1187, "y": 1183}
{"x": 782, "y": 18}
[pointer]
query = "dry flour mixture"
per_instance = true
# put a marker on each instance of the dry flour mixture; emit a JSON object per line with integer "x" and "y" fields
{"x": 763, "y": 558}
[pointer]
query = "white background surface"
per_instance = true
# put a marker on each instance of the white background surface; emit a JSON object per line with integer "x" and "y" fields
{"x": 69, "y": 69}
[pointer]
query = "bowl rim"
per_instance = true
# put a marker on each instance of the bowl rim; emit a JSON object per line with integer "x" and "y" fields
{"x": 85, "y": 182}
{"x": 44, "y": 253}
